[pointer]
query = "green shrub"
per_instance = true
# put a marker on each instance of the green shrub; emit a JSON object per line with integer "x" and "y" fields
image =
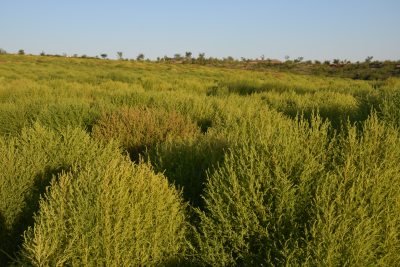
{"x": 139, "y": 128}
{"x": 257, "y": 203}
{"x": 337, "y": 107}
{"x": 28, "y": 162}
{"x": 280, "y": 190}
{"x": 12, "y": 118}
{"x": 303, "y": 199}
{"x": 111, "y": 213}
{"x": 357, "y": 205}
{"x": 390, "y": 109}
{"x": 58, "y": 116}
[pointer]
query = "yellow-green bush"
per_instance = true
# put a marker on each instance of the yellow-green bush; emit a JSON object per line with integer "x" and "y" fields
{"x": 13, "y": 118}
{"x": 280, "y": 190}
{"x": 299, "y": 198}
{"x": 60, "y": 115}
{"x": 111, "y": 213}
{"x": 337, "y": 107}
{"x": 257, "y": 203}
{"x": 139, "y": 128}
{"x": 357, "y": 204}
{"x": 390, "y": 108}
{"x": 27, "y": 164}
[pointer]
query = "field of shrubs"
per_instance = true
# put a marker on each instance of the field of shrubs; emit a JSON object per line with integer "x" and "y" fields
{"x": 120, "y": 163}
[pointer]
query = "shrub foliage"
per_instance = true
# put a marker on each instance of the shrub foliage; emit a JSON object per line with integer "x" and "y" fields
{"x": 108, "y": 214}
{"x": 230, "y": 167}
{"x": 139, "y": 128}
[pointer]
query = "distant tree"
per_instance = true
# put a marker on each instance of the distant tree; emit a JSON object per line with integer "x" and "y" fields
{"x": 42, "y": 53}
{"x": 177, "y": 56}
{"x": 327, "y": 62}
{"x": 167, "y": 58}
{"x": 262, "y": 57}
{"x": 369, "y": 59}
{"x": 201, "y": 58}
{"x": 119, "y": 54}
{"x": 140, "y": 57}
{"x": 346, "y": 61}
{"x": 158, "y": 59}
{"x": 299, "y": 59}
{"x": 317, "y": 62}
{"x": 85, "y": 56}
{"x": 287, "y": 58}
{"x": 75, "y": 55}
{"x": 336, "y": 61}
{"x": 2, "y": 51}
{"x": 21, "y": 52}
{"x": 188, "y": 56}
{"x": 104, "y": 56}
{"x": 230, "y": 58}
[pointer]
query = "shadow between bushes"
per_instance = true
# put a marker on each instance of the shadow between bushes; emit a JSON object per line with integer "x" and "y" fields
{"x": 12, "y": 237}
{"x": 186, "y": 163}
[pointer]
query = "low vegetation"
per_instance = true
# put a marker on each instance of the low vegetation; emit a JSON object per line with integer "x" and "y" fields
{"x": 121, "y": 163}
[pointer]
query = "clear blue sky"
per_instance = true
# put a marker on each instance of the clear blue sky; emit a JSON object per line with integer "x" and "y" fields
{"x": 314, "y": 29}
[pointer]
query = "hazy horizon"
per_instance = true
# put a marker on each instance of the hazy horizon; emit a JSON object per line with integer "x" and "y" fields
{"x": 313, "y": 29}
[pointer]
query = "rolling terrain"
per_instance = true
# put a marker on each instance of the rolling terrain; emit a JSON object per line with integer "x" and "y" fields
{"x": 130, "y": 163}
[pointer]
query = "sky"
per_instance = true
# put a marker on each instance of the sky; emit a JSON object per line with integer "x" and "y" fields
{"x": 313, "y": 29}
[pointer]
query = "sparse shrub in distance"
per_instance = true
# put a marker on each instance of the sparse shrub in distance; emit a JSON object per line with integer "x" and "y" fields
{"x": 140, "y": 57}
{"x": 201, "y": 58}
{"x": 188, "y": 56}
{"x": 368, "y": 59}
{"x": 120, "y": 55}
{"x": 139, "y": 128}
{"x": 177, "y": 57}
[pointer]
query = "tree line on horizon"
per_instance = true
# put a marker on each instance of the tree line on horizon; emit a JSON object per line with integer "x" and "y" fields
{"x": 369, "y": 69}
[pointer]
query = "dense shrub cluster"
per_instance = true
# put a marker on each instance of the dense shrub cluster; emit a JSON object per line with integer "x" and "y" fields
{"x": 226, "y": 167}
{"x": 28, "y": 163}
{"x": 301, "y": 198}
{"x": 391, "y": 109}
{"x": 258, "y": 201}
{"x": 139, "y": 128}
{"x": 91, "y": 175}
{"x": 109, "y": 214}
